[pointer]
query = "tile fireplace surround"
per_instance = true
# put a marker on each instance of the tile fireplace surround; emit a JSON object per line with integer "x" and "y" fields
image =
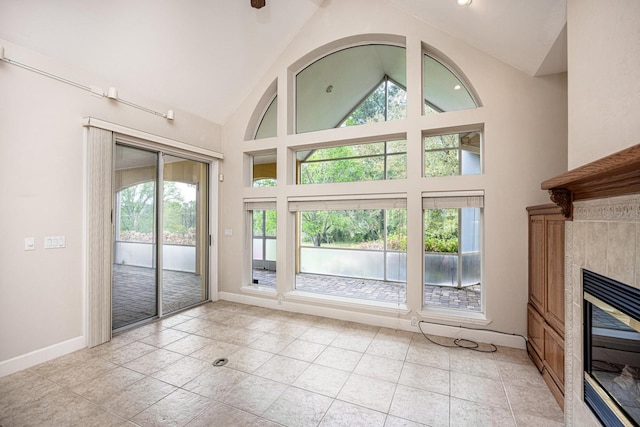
{"x": 603, "y": 198}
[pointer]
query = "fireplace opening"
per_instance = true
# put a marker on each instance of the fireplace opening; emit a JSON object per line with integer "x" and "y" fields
{"x": 612, "y": 350}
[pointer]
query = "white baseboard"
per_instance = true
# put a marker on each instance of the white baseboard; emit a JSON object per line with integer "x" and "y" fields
{"x": 36, "y": 357}
{"x": 383, "y": 319}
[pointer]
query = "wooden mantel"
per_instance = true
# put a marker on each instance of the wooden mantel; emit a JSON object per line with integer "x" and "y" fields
{"x": 614, "y": 175}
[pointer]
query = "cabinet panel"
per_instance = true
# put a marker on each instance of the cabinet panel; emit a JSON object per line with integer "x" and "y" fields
{"x": 554, "y": 355}
{"x": 537, "y": 262}
{"x": 554, "y": 308}
{"x": 535, "y": 332}
{"x": 536, "y": 329}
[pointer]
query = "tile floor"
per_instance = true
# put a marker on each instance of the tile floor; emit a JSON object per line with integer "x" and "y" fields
{"x": 283, "y": 369}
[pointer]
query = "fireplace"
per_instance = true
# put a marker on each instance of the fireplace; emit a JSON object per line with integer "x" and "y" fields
{"x": 611, "y": 349}
{"x": 602, "y": 203}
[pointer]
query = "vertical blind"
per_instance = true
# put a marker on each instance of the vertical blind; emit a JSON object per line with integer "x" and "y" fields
{"x": 99, "y": 235}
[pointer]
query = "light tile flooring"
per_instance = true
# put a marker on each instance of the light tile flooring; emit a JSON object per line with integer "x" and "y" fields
{"x": 283, "y": 369}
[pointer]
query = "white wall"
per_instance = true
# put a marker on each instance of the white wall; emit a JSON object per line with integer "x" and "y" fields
{"x": 42, "y": 185}
{"x": 525, "y": 143}
{"x": 604, "y": 89}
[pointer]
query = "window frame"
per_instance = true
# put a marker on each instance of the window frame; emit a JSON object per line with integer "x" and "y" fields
{"x": 385, "y": 155}
{"x": 416, "y": 125}
{"x": 251, "y": 206}
{"x": 298, "y": 205}
{"x": 252, "y": 167}
{"x": 458, "y": 149}
{"x": 456, "y": 200}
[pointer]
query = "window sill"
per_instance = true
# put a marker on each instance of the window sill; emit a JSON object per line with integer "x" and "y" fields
{"x": 452, "y": 316}
{"x": 351, "y": 303}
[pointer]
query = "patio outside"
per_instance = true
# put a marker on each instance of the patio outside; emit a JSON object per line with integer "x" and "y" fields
{"x": 465, "y": 298}
{"x": 134, "y": 292}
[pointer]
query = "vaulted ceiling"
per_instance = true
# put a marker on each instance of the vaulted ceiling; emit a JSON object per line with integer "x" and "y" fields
{"x": 204, "y": 56}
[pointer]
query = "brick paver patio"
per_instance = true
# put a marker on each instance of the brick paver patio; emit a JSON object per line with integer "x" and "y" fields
{"x": 134, "y": 293}
{"x": 467, "y": 298}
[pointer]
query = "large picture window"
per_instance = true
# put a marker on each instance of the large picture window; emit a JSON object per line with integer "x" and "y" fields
{"x": 348, "y": 252}
{"x": 452, "y": 252}
{"x": 355, "y": 156}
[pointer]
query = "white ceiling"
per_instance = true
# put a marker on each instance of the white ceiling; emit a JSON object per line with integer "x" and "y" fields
{"x": 522, "y": 33}
{"x": 204, "y": 56}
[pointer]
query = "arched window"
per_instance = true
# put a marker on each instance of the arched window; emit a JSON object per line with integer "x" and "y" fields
{"x": 350, "y": 226}
{"x": 442, "y": 90}
{"x": 268, "y": 123}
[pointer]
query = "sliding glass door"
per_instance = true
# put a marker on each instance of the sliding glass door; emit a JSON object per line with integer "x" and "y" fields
{"x": 184, "y": 233}
{"x": 160, "y": 234}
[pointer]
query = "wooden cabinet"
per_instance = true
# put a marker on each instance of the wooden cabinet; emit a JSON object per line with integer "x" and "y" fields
{"x": 545, "y": 311}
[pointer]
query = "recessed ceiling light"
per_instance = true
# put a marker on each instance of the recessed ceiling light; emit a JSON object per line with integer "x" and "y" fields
{"x": 464, "y": 2}
{"x": 457, "y": 87}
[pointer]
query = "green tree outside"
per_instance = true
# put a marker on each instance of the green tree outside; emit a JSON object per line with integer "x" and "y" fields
{"x": 137, "y": 213}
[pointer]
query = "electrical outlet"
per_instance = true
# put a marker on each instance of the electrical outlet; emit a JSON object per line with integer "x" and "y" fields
{"x": 414, "y": 320}
{"x": 54, "y": 242}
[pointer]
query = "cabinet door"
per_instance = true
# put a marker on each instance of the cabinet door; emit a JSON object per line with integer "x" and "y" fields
{"x": 554, "y": 307}
{"x": 537, "y": 269}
